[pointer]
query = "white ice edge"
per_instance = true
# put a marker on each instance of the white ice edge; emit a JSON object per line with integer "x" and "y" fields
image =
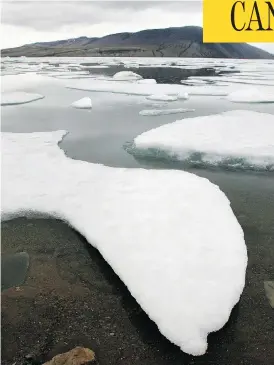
{"x": 18, "y": 97}
{"x": 156, "y": 112}
{"x": 218, "y": 138}
{"x": 135, "y": 88}
{"x": 171, "y": 236}
{"x": 252, "y": 95}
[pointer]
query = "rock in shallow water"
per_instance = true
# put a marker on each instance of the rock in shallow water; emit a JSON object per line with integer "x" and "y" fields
{"x": 76, "y": 356}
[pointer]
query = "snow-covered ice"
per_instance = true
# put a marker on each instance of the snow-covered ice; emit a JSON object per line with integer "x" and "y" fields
{"x": 194, "y": 81}
{"x": 162, "y": 97}
{"x": 183, "y": 95}
{"x": 155, "y": 112}
{"x": 252, "y": 95}
{"x": 152, "y": 104}
{"x": 147, "y": 81}
{"x": 238, "y": 138}
{"x": 94, "y": 66}
{"x": 18, "y": 83}
{"x": 235, "y": 80}
{"x": 65, "y": 74}
{"x": 131, "y": 65}
{"x": 171, "y": 236}
{"x": 84, "y": 103}
{"x": 126, "y": 76}
{"x": 18, "y": 97}
{"x": 199, "y": 82}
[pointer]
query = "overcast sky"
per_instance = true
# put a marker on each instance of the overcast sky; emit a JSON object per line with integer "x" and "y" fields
{"x": 25, "y": 22}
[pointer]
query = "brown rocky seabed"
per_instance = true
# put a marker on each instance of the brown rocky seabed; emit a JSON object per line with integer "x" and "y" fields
{"x": 71, "y": 297}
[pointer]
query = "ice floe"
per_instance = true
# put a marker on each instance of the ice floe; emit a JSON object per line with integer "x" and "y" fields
{"x": 18, "y": 97}
{"x": 131, "y": 65}
{"x": 64, "y": 74}
{"x": 155, "y": 112}
{"x": 235, "y": 80}
{"x": 126, "y": 76}
{"x": 93, "y": 66}
{"x": 252, "y": 95}
{"x": 84, "y": 103}
{"x": 194, "y": 81}
{"x": 152, "y": 104}
{"x": 183, "y": 95}
{"x": 147, "y": 81}
{"x": 162, "y": 97}
{"x": 16, "y": 83}
{"x": 171, "y": 236}
{"x": 238, "y": 139}
{"x": 199, "y": 82}
{"x": 134, "y": 88}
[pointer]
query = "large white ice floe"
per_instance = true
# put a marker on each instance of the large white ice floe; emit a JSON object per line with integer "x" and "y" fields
{"x": 135, "y": 88}
{"x": 171, "y": 236}
{"x": 155, "y": 112}
{"x": 84, "y": 103}
{"x": 18, "y": 97}
{"x": 252, "y": 95}
{"x": 126, "y": 76}
{"x": 239, "y": 139}
{"x": 17, "y": 84}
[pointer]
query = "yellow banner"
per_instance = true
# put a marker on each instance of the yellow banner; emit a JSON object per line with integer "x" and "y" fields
{"x": 238, "y": 21}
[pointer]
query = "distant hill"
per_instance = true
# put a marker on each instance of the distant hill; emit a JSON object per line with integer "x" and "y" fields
{"x": 168, "y": 42}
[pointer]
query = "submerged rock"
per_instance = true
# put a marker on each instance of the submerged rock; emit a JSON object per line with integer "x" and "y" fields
{"x": 76, "y": 356}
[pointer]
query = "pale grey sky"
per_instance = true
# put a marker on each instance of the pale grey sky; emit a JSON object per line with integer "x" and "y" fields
{"x": 25, "y": 22}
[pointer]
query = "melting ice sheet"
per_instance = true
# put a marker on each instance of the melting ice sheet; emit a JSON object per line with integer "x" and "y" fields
{"x": 237, "y": 138}
{"x": 171, "y": 236}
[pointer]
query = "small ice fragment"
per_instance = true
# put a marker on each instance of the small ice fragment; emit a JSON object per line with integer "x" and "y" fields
{"x": 126, "y": 76}
{"x": 183, "y": 95}
{"x": 84, "y": 103}
{"x": 131, "y": 65}
{"x": 162, "y": 97}
{"x": 147, "y": 81}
